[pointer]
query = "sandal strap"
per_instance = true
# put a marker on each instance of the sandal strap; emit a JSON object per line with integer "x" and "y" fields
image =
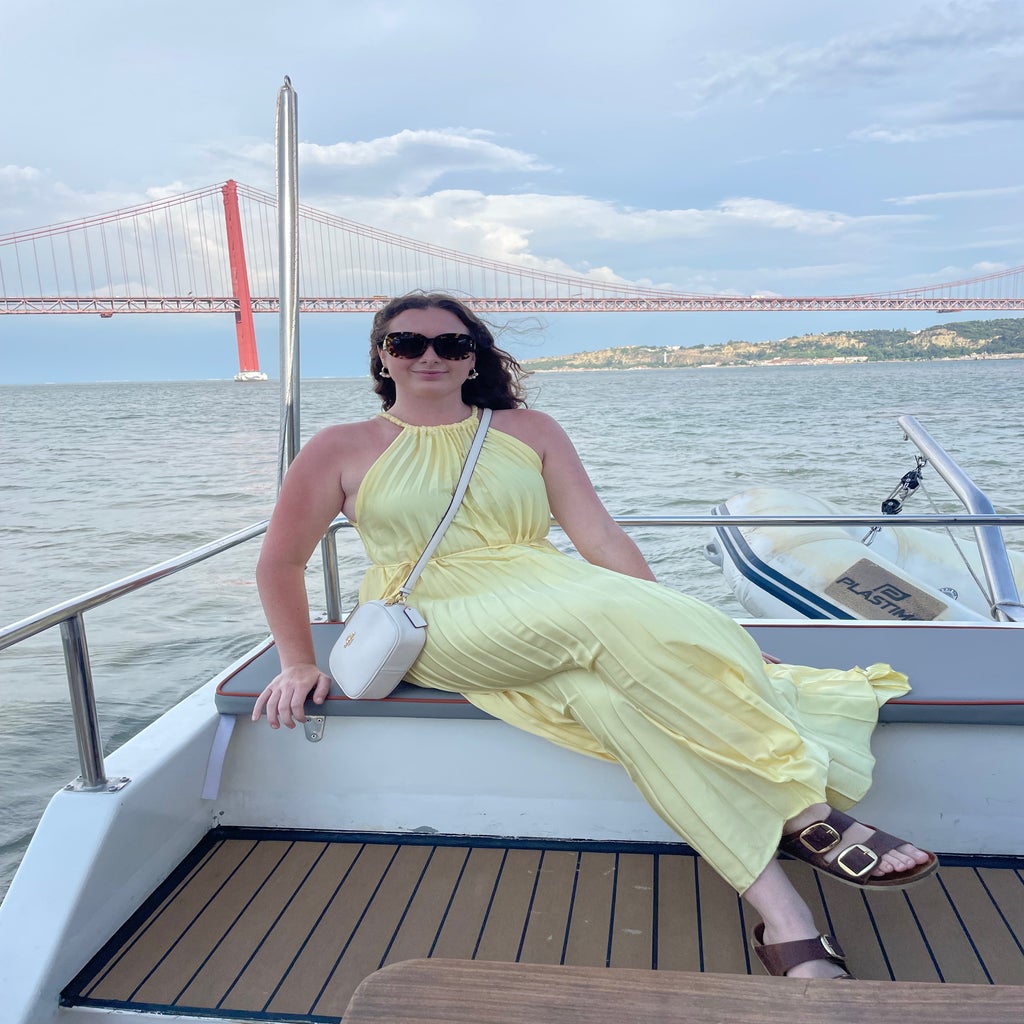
{"x": 779, "y": 957}
{"x": 855, "y": 861}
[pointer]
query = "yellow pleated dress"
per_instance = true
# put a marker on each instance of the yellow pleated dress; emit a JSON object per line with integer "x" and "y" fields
{"x": 722, "y": 746}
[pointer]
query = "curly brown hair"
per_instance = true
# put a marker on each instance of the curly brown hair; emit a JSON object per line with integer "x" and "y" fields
{"x": 498, "y": 381}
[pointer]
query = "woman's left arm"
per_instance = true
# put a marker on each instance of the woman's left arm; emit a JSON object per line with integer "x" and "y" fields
{"x": 578, "y": 509}
{"x": 581, "y": 513}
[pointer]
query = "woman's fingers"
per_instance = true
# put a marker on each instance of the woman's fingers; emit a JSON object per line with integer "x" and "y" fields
{"x": 323, "y": 688}
{"x": 284, "y": 699}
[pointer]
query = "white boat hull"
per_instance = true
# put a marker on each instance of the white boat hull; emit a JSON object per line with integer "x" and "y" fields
{"x": 828, "y": 572}
{"x": 953, "y": 786}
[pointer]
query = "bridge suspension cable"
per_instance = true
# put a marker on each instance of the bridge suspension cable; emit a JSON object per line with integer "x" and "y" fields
{"x": 173, "y": 255}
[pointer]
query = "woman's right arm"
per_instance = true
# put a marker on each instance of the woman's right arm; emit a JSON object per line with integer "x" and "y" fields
{"x": 310, "y": 498}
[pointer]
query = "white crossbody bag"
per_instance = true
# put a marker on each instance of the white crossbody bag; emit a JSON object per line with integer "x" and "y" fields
{"x": 382, "y": 639}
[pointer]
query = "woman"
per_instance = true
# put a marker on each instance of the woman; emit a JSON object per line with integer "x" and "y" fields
{"x": 737, "y": 755}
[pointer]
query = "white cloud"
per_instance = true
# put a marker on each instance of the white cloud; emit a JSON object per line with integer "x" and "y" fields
{"x": 986, "y": 97}
{"x": 31, "y": 198}
{"x": 897, "y": 49}
{"x": 562, "y": 234}
{"x": 12, "y": 174}
{"x": 780, "y": 216}
{"x": 951, "y": 273}
{"x": 502, "y": 226}
{"x": 820, "y": 272}
{"x": 915, "y": 133}
{"x": 941, "y": 71}
{"x": 970, "y": 193}
{"x": 155, "y": 192}
{"x": 385, "y": 183}
{"x": 407, "y": 163}
{"x": 991, "y": 243}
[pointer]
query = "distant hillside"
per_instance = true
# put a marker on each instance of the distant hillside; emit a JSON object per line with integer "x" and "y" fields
{"x": 970, "y": 339}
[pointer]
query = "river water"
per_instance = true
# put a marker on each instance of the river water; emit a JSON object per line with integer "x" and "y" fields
{"x": 100, "y": 480}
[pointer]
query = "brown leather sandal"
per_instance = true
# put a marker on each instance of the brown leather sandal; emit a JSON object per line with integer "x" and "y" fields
{"x": 855, "y": 861}
{"x": 780, "y": 957}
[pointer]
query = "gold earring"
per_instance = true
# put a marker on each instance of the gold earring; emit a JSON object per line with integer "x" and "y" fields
{"x": 473, "y": 374}
{"x": 384, "y": 373}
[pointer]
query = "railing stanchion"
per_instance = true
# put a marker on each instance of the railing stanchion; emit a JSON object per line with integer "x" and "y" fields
{"x": 83, "y": 702}
{"x": 1006, "y": 603}
{"x": 288, "y": 274}
{"x": 332, "y": 589}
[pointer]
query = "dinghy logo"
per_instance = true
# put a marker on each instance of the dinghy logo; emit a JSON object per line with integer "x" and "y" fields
{"x": 872, "y": 592}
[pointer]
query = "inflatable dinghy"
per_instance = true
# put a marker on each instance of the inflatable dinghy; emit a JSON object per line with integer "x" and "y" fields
{"x": 829, "y": 572}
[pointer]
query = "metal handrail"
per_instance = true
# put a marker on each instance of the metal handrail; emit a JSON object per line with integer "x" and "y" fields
{"x": 44, "y": 620}
{"x": 994, "y": 559}
{"x": 992, "y": 520}
{"x": 54, "y": 616}
{"x": 69, "y": 614}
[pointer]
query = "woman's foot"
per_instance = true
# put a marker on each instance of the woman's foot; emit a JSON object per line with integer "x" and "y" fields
{"x": 799, "y": 951}
{"x": 788, "y": 942}
{"x": 853, "y": 852}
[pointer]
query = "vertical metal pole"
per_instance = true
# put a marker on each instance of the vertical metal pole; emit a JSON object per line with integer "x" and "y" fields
{"x": 288, "y": 265}
{"x": 83, "y": 702}
{"x": 332, "y": 589}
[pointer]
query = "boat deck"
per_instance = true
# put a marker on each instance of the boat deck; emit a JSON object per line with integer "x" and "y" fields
{"x": 264, "y": 924}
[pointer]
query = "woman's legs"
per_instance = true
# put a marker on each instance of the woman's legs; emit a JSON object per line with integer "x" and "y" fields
{"x": 787, "y": 917}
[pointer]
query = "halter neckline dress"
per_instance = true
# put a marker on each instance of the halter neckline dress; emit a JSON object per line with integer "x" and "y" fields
{"x": 722, "y": 746}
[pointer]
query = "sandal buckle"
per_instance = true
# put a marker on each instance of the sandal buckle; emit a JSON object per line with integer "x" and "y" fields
{"x": 832, "y": 947}
{"x": 820, "y": 837}
{"x": 857, "y": 860}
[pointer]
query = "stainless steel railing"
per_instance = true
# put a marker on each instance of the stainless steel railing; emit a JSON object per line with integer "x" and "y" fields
{"x": 994, "y": 560}
{"x": 69, "y": 615}
{"x": 997, "y": 568}
{"x": 992, "y": 520}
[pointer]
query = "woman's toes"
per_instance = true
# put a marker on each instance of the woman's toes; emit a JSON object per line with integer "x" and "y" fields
{"x": 906, "y": 858}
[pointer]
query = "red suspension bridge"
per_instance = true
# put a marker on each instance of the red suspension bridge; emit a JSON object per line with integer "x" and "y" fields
{"x": 214, "y": 250}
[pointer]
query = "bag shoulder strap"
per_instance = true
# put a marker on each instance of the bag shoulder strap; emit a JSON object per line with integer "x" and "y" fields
{"x": 460, "y": 491}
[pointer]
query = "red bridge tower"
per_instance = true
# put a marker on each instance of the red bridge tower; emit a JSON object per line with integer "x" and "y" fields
{"x": 245, "y": 330}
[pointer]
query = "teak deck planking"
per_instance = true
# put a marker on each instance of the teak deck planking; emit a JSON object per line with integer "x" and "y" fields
{"x": 265, "y": 925}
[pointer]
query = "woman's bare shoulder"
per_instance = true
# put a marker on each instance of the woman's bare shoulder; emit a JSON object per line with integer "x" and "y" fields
{"x": 352, "y": 433}
{"x": 537, "y": 429}
{"x": 520, "y": 422}
{"x": 512, "y": 420}
{"x": 345, "y": 439}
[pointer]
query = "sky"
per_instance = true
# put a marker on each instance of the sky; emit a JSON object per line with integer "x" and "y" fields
{"x": 740, "y": 147}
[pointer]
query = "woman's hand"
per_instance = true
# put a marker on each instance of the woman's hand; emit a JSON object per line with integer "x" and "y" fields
{"x": 284, "y": 699}
{"x": 770, "y": 659}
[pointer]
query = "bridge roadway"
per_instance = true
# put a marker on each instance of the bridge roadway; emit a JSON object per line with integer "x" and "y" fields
{"x": 109, "y": 305}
